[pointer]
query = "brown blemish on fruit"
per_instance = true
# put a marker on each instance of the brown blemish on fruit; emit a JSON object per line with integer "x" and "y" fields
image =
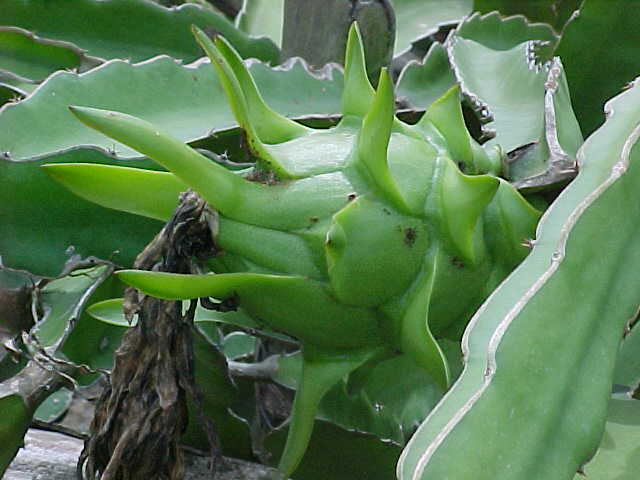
{"x": 455, "y": 261}
{"x": 351, "y": 197}
{"x": 410, "y": 236}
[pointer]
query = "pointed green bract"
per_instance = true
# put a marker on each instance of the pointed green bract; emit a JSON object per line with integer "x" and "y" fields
{"x": 134, "y": 190}
{"x": 358, "y": 92}
{"x": 458, "y": 201}
{"x": 371, "y": 155}
{"x": 271, "y": 127}
{"x": 320, "y": 371}
{"x": 446, "y": 115}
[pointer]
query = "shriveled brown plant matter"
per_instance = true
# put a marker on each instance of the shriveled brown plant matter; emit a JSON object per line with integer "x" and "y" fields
{"x": 142, "y": 412}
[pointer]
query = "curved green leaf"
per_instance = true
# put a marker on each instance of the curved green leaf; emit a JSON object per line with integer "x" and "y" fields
{"x": 628, "y": 363}
{"x": 498, "y": 33}
{"x": 618, "y": 457}
{"x": 541, "y": 351}
{"x": 421, "y": 84}
{"x": 514, "y": 106}
{"x": 185, "y": 100}
{"x": 262, "y": 18}
{"x": 416, "y": 19}
{"x": 553, "y": 12}
{"x": 133, "y": 29}
{"x": 33, "y": 58}
{"x": 598, "y": 70}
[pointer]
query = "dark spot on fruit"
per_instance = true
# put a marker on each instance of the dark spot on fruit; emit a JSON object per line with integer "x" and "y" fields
{"x": 455, "y": 261}
{"x": 462, "y": 166}
{"x": 351, "y": 196}
{"x": 313, "y": 219}
{"x": 410, "y": 236}
{"x": 195, "y": 79}
{"x": 386, "y": 210}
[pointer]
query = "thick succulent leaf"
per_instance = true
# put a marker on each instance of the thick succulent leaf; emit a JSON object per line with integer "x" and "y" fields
{"x": 416, "y": 19}
{"x": 55, "y": 406}
{"x": 421, "y": 84}
{"x": 185, "y": 100}
{"x": 593, "y": 82}
{"x": 91, "y": 342}
{"x": 133, "y": 29}
{"x": 618, "y": 455}
{"x": 63, "y": 301}
{"x": 498, "y": 33}
{"x": 238, "y": 345}
{"x": 529, "y": 377}
{"x": 32, "y": 58}
{"x": 14, "y": 422}
{"x": 553, "y": 12}
{"x": 31, "y": 203}
{"x": 628, "y": 363}
{"x": 515, "y": 105}
{"x": 262, "y": 18}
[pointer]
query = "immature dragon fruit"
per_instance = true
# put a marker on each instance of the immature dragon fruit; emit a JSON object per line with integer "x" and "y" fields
{"x": 363, "y": 240}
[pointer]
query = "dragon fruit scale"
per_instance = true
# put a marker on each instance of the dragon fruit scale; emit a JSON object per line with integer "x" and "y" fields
{"x": 363, "y": 240}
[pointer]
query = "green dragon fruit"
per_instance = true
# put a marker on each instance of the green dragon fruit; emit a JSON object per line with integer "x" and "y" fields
{"x": 363, "y": 240}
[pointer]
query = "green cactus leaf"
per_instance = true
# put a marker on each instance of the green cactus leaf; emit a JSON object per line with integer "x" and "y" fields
{"x": 516, "y": 107}
{"x": 548, "y": 11}
{"x": 421, "y": 84}
{"x": 499, "y": 33}
{"x": 628, "y": 363}
{"x": 65, "y": 298}
{"x": 262, "y": 18}
{"x": 417, "y": 19}
{"x": 13, "y": 425}
{"x": 617, "y": 456}
{"x": 184, "y": 100}
{"x": 32, "y": 58}
{"x": 557, "y": 413}
{"x": 595, "y": 82}
{"x": 55, "y": 406}
{"x": 134, "y": 29}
